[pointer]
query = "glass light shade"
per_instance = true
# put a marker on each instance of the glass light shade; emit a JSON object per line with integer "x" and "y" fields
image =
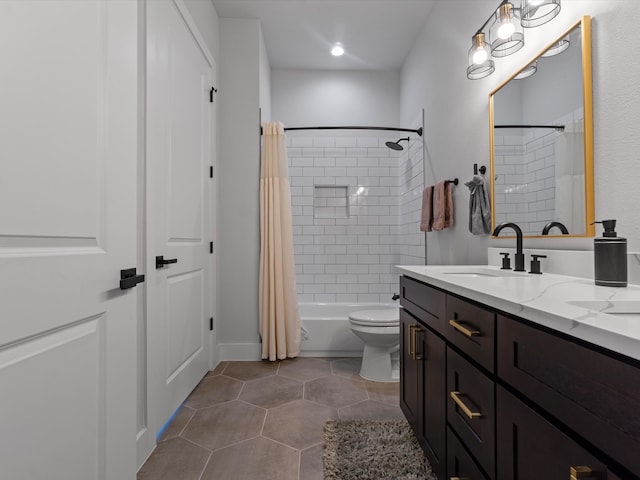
{"x": 527, "y": 71}
{"x": 558, "y": 47}
{"x": 506, "y": 34}
{"x": 337, "y": 50}
{"x": 480, "y": 63}
{"x": 539, "y": 12}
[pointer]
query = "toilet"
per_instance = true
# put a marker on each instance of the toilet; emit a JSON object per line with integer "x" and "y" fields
{"x": 380, "y": 332}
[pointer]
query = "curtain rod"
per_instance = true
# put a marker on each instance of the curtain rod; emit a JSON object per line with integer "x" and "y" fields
{"x": 556, "y": 127}
{"x": 393, "y": 129}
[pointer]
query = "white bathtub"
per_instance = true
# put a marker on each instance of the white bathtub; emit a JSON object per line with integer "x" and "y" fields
{"x": 326, "y": 331}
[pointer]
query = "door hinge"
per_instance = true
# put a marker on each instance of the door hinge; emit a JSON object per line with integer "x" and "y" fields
{"x": 211, "y": 324}
{"x": 211, "y": 92}
{"x": 210, "y": 247}
{"x": 211, "y": 171}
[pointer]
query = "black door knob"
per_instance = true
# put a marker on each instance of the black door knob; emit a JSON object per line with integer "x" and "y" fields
{"x": 161, "y": 261}
{"x": 129, "y": 278}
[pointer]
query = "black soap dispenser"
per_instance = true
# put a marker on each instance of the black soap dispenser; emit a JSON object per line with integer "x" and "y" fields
{"x": 610, "y": 257}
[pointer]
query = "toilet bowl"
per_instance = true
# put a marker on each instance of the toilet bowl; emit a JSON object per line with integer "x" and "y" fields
{"x": 380, "y": 332}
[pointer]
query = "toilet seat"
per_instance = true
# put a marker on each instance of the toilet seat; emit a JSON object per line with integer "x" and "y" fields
{"x": 384, "y": 317}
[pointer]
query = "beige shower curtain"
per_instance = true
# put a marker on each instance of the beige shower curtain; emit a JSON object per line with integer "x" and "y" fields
{"x": 279, "y": 317}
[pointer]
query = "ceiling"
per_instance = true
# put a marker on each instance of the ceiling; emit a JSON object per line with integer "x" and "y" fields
{"x": 376, "y": 34}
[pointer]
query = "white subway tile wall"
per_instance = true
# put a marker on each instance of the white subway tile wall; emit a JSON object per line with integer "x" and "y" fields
{"x": 356, "y": 213}
{"x": 525, "y": 177}
{"x": 527, "y": 174}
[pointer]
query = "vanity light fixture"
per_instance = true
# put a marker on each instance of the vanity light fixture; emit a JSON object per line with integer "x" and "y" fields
{"x": 538, "y": 12}
{"x": 527, "y": 71}
{"x": 506, "y": 33}
{"x": 480, "y": 63}
{"x": 558, "y": 47}
{"x": 337, "y": 50}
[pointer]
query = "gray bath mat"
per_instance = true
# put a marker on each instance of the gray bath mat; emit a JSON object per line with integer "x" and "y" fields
{"x": 373, "y": 449}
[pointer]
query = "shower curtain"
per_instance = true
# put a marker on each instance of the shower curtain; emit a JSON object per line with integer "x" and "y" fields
{"x": 279, "y": 317}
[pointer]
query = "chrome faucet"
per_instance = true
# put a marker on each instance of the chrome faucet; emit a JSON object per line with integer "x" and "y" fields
{"x": 550, "y": 225}
{"x": 519, "y": 254}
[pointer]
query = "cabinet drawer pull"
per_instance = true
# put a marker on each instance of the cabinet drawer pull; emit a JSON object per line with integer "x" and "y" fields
{"x": 576, "y": 473}
{"x": 412, "y": 347}
{"x": 467, "y": 411}
{"x": 416, "y": 355}
{"x": 464, "y": 330}
{"x": 413, "y": 342}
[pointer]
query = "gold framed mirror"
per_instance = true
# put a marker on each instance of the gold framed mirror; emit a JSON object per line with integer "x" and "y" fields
{"x": 541, "y": 141}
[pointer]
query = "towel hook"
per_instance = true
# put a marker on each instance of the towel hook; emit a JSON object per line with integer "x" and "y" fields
{"x": 483, "y": 169}
{"x": 454, "y": 181}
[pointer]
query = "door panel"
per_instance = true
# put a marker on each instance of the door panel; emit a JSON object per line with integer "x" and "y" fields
{"x": 184, "y": 326}
{"x": 77, "y": 351}
{"x": 68, "y": 146}
{"x": 179, "y": 75}
{"x": 63, "y": 116}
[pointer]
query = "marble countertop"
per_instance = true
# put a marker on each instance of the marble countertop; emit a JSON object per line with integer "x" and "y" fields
{"x": 547, "y": 300}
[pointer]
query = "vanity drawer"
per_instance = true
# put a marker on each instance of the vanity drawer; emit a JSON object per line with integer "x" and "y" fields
{"x": 424, "y": 302}
{"x": 531, "y": 448}
{"x": 471, "y": 408}
{"x": 471, "y": 328}
{"x": 459, "y": 462}
{"x": 594, "y": 394}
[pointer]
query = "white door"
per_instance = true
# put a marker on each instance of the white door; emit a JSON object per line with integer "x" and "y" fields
{"x": 179, "y": 79}
{"x": 68, "y": 153}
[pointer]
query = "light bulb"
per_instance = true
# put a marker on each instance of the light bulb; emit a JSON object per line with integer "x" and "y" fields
{"x": 535, "y": 3}
{"x": 479, "y": 56}
{"x": 506, "y": 30}
{"x": 337, "y": 50}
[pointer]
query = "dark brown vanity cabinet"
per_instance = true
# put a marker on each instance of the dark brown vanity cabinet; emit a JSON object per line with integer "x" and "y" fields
{"x": 410, "y": 379}
{"x": 471, "y": 408}
{"x": 593, "y": 393}
{"x": 422, "y": 382}
{"x": 531, "y": 448}
{"x": 497, "y": 397}
{"x": 460, "y": 465}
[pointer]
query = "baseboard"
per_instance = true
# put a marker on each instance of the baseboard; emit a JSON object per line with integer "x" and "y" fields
{"x": 324, "y": 353}
{"x": 240, "y": 351}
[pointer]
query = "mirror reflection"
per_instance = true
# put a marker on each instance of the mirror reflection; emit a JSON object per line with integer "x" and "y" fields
{"x": 542, "y": 155}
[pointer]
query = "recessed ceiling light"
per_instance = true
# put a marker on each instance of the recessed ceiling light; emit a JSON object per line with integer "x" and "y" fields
{"x": 337, "y": 50}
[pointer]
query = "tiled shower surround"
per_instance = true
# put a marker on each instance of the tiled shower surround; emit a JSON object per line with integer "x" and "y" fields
{"x": 525, "y": 190}
{"x": 356, "y": 212}
{"x": 527, "y": 173}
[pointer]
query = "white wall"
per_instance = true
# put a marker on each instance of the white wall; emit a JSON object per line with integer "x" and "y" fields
{"x": 238, "y": 236}
{"x": 265, "y": 81}
{"x": 456, "y": 124}
{"x": 318, "y": 97}
{"x": 204, "y": 15}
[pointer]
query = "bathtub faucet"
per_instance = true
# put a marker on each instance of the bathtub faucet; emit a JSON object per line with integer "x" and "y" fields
{"x": 395, "y": 296}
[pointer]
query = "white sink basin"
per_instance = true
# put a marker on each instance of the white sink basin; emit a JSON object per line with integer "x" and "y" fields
{"x": 484, "y": 272}
{"x": 611, "y": 307}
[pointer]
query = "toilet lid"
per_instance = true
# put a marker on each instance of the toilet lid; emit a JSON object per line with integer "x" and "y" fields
{"x": 384, "y": 317}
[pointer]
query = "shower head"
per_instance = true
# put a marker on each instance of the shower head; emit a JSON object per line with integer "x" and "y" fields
{"x": 396, "y": 145}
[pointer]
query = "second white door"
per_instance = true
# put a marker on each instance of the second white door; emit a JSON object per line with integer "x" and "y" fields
{"x": 179, "y": 214}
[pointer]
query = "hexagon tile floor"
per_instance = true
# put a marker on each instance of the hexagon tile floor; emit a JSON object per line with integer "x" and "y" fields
{"x": 264, "y": 420}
